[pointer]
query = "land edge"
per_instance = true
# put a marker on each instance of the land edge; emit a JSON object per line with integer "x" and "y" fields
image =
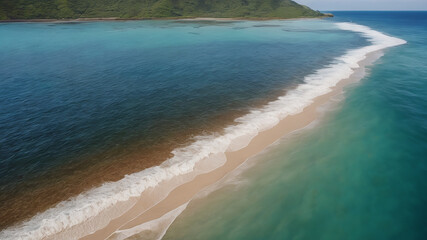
{"x": 326, "y": 15}
{"x": 184, "y": 193}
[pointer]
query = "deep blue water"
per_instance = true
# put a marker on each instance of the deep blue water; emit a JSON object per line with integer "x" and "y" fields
{"x": 361, "y": 173}
{"x": 78, "y": 97}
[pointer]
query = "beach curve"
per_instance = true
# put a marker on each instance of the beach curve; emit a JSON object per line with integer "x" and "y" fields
{"x": 254, "y": 132}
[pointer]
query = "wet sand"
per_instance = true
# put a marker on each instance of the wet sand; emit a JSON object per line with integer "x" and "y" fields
{"x": 147, "y": 207}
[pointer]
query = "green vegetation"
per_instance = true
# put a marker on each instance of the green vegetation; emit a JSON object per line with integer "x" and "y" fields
{"x": 72, "y": 9}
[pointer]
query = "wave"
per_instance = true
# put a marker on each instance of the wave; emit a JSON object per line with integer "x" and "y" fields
{"x": 154, "y": 229}
{"x": 87, "y": 205}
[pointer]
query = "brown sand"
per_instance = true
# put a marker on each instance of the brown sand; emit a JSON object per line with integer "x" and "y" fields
{"x": 107, "y": 165}
{"x": 140, "y": 214}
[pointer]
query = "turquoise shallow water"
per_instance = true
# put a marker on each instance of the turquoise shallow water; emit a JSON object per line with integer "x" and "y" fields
{"x": 360, "y": 173}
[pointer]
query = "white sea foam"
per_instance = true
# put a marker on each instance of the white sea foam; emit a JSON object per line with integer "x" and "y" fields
{"x": 154, "y": 229}
{"x": 91, "y": 203}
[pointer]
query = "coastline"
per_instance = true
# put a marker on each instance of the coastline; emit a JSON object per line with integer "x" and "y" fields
{"x": 180, "y": 196}
{"x": 161, "y": 198}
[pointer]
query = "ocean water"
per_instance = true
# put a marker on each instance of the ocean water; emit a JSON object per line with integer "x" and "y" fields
{"x": 359, "y": 173}
{"x": 85, "y": 104}
{"x": 82, "y": 104}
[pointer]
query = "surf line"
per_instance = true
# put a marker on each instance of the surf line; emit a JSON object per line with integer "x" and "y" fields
{"x": 138, "y": 199}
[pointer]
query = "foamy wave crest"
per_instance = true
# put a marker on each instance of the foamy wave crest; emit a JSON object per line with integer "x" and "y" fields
{"x": 91, "y": 203}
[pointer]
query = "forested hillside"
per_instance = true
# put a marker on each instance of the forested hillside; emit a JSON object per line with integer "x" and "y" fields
{"x": 72, "y": 9}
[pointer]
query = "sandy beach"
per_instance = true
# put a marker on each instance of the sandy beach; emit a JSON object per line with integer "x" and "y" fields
{"x": 148, "y": 208}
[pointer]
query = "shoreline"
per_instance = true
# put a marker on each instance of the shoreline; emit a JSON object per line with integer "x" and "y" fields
{"x": 113, "y": 19}
{"x": 180, "y": 196}
{"x": 144, "y": 199}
